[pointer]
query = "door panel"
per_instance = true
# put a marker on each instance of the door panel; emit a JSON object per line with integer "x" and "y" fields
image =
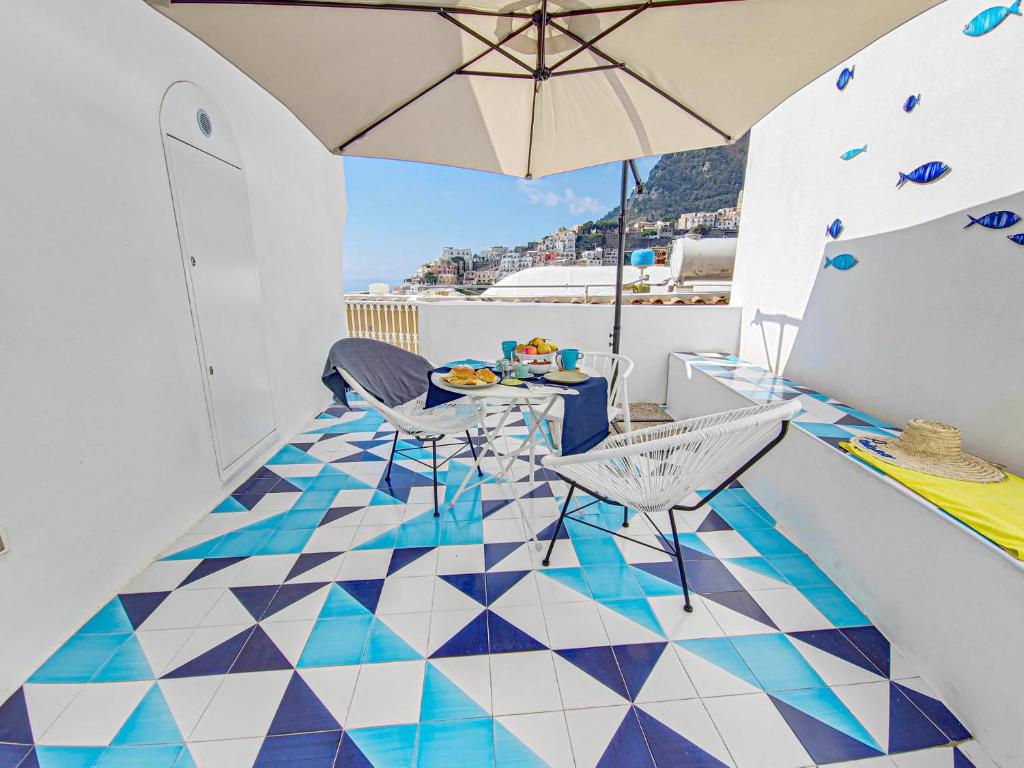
{"x": 215, "y": 229}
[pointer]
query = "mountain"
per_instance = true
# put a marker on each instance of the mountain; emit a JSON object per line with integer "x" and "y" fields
{"x": 682, "y": 182}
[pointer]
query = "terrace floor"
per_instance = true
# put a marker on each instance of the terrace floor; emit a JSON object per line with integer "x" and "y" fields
{"x": 321, "y": 617}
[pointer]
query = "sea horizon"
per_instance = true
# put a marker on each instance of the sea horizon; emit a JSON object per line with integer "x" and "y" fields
{"x": 361, "y": 284}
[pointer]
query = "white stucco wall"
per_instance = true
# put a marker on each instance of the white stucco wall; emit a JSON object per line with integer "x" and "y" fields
{"x": 453, "y": 330}
{"x": 928, "y": 324}
{"x": 104, "y": 441}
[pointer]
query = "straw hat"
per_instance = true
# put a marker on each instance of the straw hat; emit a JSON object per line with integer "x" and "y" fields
{"x": 932, "y": 448}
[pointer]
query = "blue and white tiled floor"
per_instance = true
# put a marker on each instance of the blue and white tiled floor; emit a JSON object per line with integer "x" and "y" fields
{"x": 321, "y": 617}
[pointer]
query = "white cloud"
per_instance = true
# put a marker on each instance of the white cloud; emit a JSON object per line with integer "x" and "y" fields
{"x": 577, "y": 204}
{"x": 584, "y": 204}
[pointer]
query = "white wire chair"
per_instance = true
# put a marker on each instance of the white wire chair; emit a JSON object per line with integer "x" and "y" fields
{"x": 427, "y": 424}
{"x": 616, "y": 369}
{"x": 655, "y": 469}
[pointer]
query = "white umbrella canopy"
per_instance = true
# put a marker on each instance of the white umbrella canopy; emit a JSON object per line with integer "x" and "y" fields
{"x": 533, "y": 88}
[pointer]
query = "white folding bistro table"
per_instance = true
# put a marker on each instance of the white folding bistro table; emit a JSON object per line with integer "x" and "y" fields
{"x": 537, "y": 399}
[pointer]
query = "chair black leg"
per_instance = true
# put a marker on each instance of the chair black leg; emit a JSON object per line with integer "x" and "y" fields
{"x": 679, "y": 561}
{"x": 391, "y": 458}
{"x": 558, "y": 528}
{"x": 472, "y": 447}
{"x": 437, "y": 510}
{"x": 625, "y": 517}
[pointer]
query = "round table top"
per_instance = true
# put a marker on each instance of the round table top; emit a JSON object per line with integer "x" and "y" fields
{"x": 502, "y": 391}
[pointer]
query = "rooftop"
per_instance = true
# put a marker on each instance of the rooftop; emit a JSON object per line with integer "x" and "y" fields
{"x": 321, "y": 611}
{"x": 201, "y": 562}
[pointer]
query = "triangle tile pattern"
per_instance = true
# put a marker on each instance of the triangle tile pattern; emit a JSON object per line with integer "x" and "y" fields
{"x": 300, "y": 711}
{"x": 443, "y": 700}
{"x": 345, "y": 671}
{"x": 601, "y": 664}
{"x": 823, "y": 742}
{"x": 150, "y": 723}
{"x": 671, "y": 748}
{"x": 628, "y": 746}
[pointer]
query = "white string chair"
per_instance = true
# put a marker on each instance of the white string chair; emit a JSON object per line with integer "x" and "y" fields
{"x": 655, "y": 469}
{"x": 427, "y": 424}
{"x": 616, "y": 369}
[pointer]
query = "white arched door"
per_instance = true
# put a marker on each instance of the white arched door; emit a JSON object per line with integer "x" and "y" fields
{"x": 211, "y": 206}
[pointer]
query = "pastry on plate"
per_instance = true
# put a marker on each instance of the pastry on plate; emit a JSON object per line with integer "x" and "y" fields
{"x": 462, "y": 375}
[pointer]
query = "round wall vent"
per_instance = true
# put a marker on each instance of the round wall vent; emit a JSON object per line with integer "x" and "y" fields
{"x": 205, "y": 123}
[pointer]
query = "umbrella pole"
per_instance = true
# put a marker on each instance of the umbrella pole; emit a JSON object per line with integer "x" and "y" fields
{"x": 617, "y": 324}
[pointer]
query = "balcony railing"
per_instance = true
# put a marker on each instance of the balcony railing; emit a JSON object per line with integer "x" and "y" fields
{"x": 394, "y": 319}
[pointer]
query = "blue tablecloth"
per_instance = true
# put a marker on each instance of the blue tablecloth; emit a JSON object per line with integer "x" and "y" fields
{"x": 586, "y": 414}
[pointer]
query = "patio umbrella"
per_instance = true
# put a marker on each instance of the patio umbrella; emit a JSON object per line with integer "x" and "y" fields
{"x": 534, "y": 87}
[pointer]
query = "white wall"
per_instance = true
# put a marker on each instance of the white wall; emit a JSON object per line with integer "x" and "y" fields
{"x": 938, "y": 590}
{"x": 453, "y": 330}
{"x": 928, "y": 324}
{"x": 104, "y": 441}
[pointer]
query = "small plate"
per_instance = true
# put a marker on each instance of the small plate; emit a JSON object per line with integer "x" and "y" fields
{"x": 469, "y": 363}
{"x": 480, "y": 385}
{"x": 566, "y": 377}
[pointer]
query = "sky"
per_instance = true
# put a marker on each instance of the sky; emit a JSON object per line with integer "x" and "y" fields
{"x": 401, "y": 214}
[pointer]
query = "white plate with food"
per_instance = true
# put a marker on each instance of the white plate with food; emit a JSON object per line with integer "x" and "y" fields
{"x": 464, "y": 377}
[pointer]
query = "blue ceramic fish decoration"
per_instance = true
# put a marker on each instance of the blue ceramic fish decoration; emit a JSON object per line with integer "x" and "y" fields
{"x": 991, "y": 18}
{"x": 911, "y": 102}
{"x": 843, "y": 261}
{"x": 924, "y": 174}
{"x": 844, "y": 78}
{"x": 852, "y": 153}
{"x": 1018, "y": 239}
{"x": 835, "y": 229}
{"x": 994, "y": 220}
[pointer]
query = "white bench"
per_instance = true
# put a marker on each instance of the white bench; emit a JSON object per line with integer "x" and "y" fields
{"x": 949, "y": 599}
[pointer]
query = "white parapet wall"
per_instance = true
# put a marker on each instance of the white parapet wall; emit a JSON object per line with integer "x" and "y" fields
{"x": 948, "y": 598}
{"x": 454, "y": 330}
{"x": 106, "y": 443}
{"x": 928, "y": 323}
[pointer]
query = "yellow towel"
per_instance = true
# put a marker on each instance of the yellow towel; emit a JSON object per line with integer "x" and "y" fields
{"x": 995, "y": 510}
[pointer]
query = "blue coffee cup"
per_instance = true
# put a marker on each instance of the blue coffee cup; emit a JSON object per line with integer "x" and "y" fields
{"x": 568, "y": 358}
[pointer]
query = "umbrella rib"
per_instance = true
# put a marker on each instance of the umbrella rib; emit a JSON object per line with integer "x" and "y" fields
{"x": 479, "y": 73}
{"x": 641, "y": 79}
{"x": 361, "y": 7}
{"x": 612, "y": 28}
{"x": 384, "y": 118}
{"x": 493, "y": 46}
{"x": 634, "y": 6}
{"x": 585, "y": 70}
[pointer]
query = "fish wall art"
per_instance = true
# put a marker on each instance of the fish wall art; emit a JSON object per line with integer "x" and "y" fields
{"x": 835, "y": 229}
{"x": 924, "y": 174}
{"x": 852, "y": 153}
{"x": 994, "y": 220}
{"x": 991, "y": 18}
{"x": 1018, "y": 239}
{"x": 912, "y": 101}
{"x": 844, "y": 78}
{"x": 843, "y": 262}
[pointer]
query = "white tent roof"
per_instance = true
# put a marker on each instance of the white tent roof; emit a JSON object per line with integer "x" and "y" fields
{"x": 469, "y": 84}
{"x": 571, "y": 281}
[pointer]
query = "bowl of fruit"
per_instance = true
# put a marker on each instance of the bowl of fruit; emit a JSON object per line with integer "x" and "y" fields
{"x": 538, "y": 354}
